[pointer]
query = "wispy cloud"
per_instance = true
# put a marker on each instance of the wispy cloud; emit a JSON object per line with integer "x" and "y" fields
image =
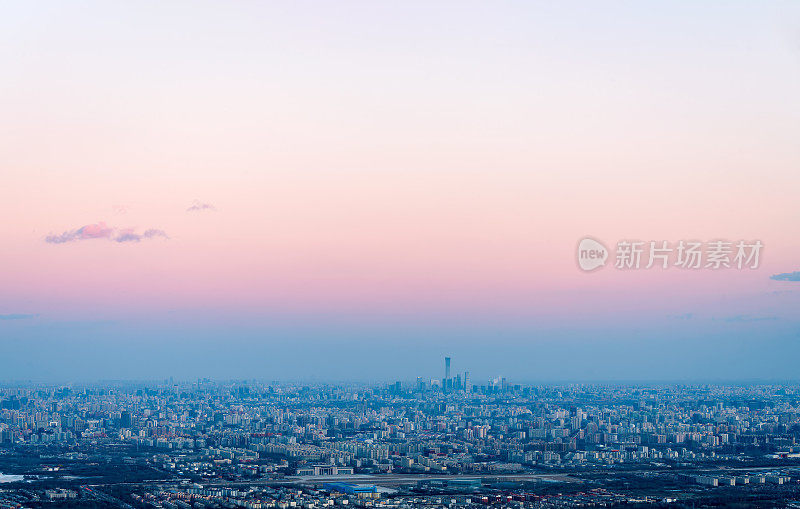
{"x": 198, "y": 206}
{"x": 130, "y": 236}
{"x": 18, "y": 316}
{"x": 102, "y": 231}
{"x": 787, "y": 276}
{"x": 90, "y": 231}
{"x": 749, "y": 318}
{"x": 153, "y": 233}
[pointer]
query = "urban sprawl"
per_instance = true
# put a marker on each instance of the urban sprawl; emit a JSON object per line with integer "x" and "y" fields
{"x": 443, "y": 442}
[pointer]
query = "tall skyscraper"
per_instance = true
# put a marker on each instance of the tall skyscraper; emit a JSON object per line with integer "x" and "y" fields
{"x": 447, "y": 368}
{"x": 125, "y": 419}
{"x": 467, "y": 384}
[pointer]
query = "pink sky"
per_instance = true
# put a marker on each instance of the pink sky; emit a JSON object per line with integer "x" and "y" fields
{"x": 408, "y": 159}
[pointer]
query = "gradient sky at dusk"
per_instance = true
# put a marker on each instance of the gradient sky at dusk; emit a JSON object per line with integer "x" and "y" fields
{"x": 353, "y": 190}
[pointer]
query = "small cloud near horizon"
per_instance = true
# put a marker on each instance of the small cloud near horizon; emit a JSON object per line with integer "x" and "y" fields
{"x": 90, "y": 231}
{"x": 130, "y": 236}
{"x": 19, "y": 316}
{"x": 198, "y": 206}
{"x": 749, "y": 318}
{"x": 787, "y": 276}
{"x": 102, "y": 231}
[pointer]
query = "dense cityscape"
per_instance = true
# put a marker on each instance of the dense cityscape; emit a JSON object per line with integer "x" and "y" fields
{"x": 398, "y": 255}
{"x": 442, "y": 442}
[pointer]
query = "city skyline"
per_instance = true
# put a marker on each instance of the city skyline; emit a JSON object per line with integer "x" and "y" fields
{"x": 255, "y": 445}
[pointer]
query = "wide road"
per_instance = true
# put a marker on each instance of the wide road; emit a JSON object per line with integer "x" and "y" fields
{"x": 398, "y": 479}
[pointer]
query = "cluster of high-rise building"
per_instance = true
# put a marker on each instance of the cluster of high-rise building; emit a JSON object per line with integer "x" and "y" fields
{"x": 446, "y": 384}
